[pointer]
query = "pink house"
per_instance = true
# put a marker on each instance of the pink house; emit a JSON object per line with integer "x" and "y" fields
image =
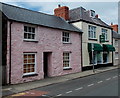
{"x": 38, "y": 45}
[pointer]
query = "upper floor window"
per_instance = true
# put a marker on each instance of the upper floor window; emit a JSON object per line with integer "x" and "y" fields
{"x": 91, "y": 32}
{"x": 92, "y": 13}
{"x": 29, "y": 33}
{"x": 104, "y": 31}
{"x": 116, "y": 42}
{"x": 66, "y": 37}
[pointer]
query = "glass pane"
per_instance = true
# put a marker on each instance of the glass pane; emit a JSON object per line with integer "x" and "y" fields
{"x": 24, "y": 71}
{"x": 32, "y": 70}
{"x": 25, "y": 35}
{"x": 33, "y": 30}
{"x": 33, "y": 36}
{"x": 25, "y": 56}
{"x": 25, "y": 66}
{"x": 29, "y": 60}
{"x": 29, "y": 28}
{"x": 29, "y": 56}
{"x": 28, "y": 70}
{"x": 25, "y": 61}
{"x": 25, "y": 28}
{"x": 33, "y": 60}
{"x": 29, "y": 36}
{"x": 32, "y": 55}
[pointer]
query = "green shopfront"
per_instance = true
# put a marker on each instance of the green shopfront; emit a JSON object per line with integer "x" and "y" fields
{"x": 99, "y": 54}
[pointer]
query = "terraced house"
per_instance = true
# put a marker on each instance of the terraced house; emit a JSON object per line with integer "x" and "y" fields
{"x": 37, "y": 45}
{"x": 97, "y": 45}
{"x": 116, "y": 39}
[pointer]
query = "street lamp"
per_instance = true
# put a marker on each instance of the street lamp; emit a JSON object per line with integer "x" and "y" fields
{"x": 93, "y": 58}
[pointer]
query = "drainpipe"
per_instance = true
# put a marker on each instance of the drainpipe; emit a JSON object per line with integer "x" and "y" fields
{"x": 10, "y": 53}
{"x": 112, "y": 51}
{"x": 81, "y": 52}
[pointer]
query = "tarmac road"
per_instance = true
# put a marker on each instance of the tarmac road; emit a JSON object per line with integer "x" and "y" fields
{"x": 102, "y": 84}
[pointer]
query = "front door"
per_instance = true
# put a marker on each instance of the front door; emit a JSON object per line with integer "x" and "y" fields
{"x": 47, "y": 63}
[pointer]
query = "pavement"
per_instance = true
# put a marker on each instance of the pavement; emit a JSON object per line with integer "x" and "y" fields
{"x": 17, "y": 88}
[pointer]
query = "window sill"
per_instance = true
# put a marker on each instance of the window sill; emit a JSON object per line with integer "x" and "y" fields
{"x": 107, "y": 41}
{"x": 67, "y": 43}
{"x": 26, "y": 40}
{"x": 29, "y": 75}
{"x": 92, "y": 39}
{"x": 105, "y": 63}
{"x": 67, "y": 68}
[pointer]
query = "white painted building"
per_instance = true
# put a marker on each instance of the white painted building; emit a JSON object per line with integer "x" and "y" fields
{"x": 95, "y": 49}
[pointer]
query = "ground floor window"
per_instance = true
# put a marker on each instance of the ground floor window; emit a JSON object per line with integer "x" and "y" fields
{"x": 93, "y": 57}
{"x": 99, "y": 57}
{"x": 96, "y": 58}
{"x": 29, "y": 63}
{"x": 105, "y": 57}
{"x": 116, "y": 55}
{"x": 66, "y": 60}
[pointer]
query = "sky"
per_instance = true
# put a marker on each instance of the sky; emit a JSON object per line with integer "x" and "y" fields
{"x": 107, "y": 11}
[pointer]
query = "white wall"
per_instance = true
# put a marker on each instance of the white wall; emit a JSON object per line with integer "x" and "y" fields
{"x": 85, "y": 40}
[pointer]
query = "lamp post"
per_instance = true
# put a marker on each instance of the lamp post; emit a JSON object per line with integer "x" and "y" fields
{"x": 93, "y": 58}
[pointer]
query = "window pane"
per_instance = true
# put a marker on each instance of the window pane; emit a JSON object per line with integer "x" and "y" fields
{"x": 33, "y": 36}
{"x": 29, "y": 28}
{"x": 33, "y": 30}
{"x": 29, "y": 36}
{"x": 25, "y": 35}
{"x": 25, "y": 28}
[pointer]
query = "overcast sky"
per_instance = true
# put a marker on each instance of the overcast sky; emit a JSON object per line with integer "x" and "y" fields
{"x": 107, "y": 11}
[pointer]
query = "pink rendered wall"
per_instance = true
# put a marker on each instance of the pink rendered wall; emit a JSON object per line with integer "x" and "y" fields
{"x": 49, "y": 40}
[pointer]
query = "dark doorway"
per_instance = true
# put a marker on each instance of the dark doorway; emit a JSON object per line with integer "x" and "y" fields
{"x": 46, "y": 63}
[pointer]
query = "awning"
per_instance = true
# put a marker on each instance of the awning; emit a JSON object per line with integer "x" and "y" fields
{"x": 96, "y": 47}
{"x": 108, "y": 48}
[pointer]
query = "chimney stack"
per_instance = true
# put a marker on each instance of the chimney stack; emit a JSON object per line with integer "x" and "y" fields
{"x": 115, "y": 27}
{"x": 62, "y": 12}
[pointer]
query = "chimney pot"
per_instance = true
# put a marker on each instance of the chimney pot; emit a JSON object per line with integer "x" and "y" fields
{"x": 59, "y": 5}
{"x": 97, "y": 16}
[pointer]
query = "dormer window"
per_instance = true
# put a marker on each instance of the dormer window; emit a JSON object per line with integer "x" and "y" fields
{"x": 92, "y": 13}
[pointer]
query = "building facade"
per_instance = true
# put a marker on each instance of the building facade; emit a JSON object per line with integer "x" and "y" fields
{"x": 97, "y": 45}
{"x": 116, "y": 39}
{"x": 38, "y": 46}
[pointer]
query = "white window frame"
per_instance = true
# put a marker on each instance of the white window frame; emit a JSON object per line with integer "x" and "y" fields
{"x": 105, "y": 32}
{"x": 30, "y": 33}
{"x": 30, "y": 73}
{"x": 65, "y": 37}
{"x": 69, "y": 60}
{"x": 91, "y": 32}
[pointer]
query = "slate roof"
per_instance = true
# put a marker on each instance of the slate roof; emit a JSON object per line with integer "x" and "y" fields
{"x": 38, "y": 18}
{"x": 80, "y": 13}
{"x": 116, "y": 35}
